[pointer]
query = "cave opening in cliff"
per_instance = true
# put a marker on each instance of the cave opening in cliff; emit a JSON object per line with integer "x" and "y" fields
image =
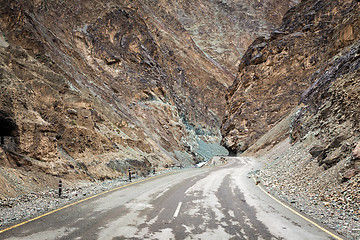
{"x": 8, "y": 131}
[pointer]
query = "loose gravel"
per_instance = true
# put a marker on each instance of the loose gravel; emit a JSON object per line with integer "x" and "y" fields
{"x": 24, "y": 207}
{"x": 296, "y": 179}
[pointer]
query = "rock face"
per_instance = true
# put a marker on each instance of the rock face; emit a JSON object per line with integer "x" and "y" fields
{"x": 89, "y": 96}
{"x": 329, "y": 112}
{"x": 225, "y": 29}
{"x": 88, "y": 90}
{"x": 275, "y": 71}
{"x": 302, "y": 86}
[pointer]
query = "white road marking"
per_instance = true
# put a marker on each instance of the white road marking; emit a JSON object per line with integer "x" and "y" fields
{"x": 177, "y": 210}
{"x": 187, "y": 229}
{"x": 187, "y": 191}
{"x": 161, "y": 193}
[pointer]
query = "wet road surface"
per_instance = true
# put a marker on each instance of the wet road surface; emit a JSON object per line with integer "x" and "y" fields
{"x": 208, "y": 203}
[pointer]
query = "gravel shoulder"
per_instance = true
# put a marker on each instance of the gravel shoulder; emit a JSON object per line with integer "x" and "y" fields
{"x": 291, "y": 175}
{"x": 27, "y": 206}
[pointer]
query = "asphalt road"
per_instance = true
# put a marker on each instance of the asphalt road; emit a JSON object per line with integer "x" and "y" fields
{"x": 207, "y": 203}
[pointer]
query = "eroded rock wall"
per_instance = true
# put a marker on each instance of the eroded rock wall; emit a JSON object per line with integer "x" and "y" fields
{"x": 224, "y": 29}
{"x": 295, "y": 102}
{"x": 89, "y": 90}
{"x": 275, "y": 71}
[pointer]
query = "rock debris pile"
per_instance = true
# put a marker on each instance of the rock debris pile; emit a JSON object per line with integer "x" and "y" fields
{"x": 294, "y": 177}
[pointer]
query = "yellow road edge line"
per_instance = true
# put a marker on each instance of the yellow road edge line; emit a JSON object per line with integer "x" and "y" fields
{"x": 82, "y": 200}
{"x": 300, "y": 215}
{"x": 88, "y": 198}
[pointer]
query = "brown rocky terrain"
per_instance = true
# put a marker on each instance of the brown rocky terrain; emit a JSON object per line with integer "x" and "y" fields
{"x": 295, "y": 103}
{"x": 90, "y": 89}
{"x": 275, "y": 71}
{"x": 89, "y": 96}
{"x": 225, "y": 29}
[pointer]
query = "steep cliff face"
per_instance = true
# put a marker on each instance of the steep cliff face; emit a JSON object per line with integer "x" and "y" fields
{"x": 274, "y": 72}
{"x": 89, "y": 89}
{"x": 327, "y": 121}
{"x": 224, "y": 29}
{"x": 302, "y": 85}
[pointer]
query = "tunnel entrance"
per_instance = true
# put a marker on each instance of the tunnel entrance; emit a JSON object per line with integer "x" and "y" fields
{"x": 232, "y": 152}
{"x": 8, "y": 131}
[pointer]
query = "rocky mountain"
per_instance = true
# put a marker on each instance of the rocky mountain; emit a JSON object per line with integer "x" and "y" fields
{"x": 301, "y": 85}
{"x": 225, "y": 29}
{"x": 275, "y": 72}
{"x": 90, "y": 88}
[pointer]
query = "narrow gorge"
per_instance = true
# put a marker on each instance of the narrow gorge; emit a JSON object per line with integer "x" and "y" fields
{"x": 295, "y": 103}
{"x": 91, "y": 88}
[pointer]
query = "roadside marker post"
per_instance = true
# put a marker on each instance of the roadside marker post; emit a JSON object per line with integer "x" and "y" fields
{"x": 130, "y": 174}
{"x": 60, "y": 188}
{"x": 83, "y": 200}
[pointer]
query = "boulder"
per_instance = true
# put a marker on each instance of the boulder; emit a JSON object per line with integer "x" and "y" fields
{"x": 72, "y": 111}
{"x": 350, "y": 173}
{"x": 356, "y": 151}
{"x": 316, "y": 151}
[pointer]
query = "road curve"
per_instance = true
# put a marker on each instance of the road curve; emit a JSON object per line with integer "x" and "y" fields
{"x": 207, "y": 203}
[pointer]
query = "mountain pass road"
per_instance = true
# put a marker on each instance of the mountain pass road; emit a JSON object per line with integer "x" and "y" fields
{"x": 221, "y": 202}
